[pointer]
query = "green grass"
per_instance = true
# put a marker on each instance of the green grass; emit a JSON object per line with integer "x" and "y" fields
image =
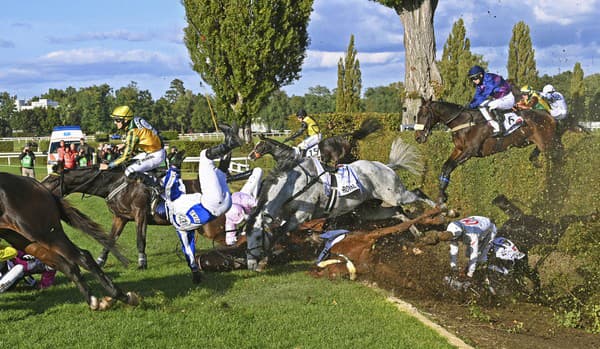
{"x": 281, "y": 308}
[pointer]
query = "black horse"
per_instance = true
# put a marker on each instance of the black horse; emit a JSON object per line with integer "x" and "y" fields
{"x": 127, "y": 200}
{"x": 472, "y": 136}
{"x": 334, "y": 150}
{"x": 30, "y": 220}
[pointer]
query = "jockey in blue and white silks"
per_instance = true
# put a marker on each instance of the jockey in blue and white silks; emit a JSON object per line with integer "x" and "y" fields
{"x": 188, "y": 212}
{"x": 476, "y": 232}
{"x": 558, "y": 105}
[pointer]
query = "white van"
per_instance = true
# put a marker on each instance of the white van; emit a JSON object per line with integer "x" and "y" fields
{"x": 69, "y": 134}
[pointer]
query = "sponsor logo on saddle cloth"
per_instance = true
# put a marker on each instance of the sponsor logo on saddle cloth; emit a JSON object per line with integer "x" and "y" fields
{"x": 346, "y": 181}
{"x": 512, "y": 122}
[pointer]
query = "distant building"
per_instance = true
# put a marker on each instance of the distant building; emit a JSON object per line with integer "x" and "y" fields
{"x": 20, "y": 104}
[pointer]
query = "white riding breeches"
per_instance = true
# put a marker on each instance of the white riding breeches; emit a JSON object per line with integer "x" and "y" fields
{"x": 216, "y": 197}
{"x": 503, "y": 103}
{"x": 309, "y": 142}
{"x": 146, "y": 162}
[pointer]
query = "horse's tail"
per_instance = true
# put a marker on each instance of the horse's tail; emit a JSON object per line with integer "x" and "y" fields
{"x": 367, "y": 127}
{"x": 80, "y": 221}
{"x": 403, "y": 155}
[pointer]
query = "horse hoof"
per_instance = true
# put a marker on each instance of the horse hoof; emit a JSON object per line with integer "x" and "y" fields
{"x": 93, "y": 303}
{"x": 106, "y": 303}
{"x": 133, "y": 299}
{"x": 142, "y": 266}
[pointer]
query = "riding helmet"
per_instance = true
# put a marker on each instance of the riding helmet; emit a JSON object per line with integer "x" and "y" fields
{"x": 548, "y": 89}
{"x": 527, "y": 89}
{"x": 301, "y": 113}
{"x": 122, "y": 112}
{"x": 476, "y": 72}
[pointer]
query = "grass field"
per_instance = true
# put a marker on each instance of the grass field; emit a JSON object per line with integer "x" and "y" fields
{"x": 281, "y": 308}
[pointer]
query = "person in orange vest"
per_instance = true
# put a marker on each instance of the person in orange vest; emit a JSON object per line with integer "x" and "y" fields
{"x": 70, "y": 156}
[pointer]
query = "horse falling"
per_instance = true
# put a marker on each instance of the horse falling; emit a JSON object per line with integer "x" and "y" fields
{"x": 295, "y": 192}
{"x": 30, "y": 220}
{"x": 471, "y": 134}
{"x": 127, "y": 200}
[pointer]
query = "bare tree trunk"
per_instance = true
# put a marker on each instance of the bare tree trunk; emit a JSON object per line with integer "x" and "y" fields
{"x": 421, "y": 73}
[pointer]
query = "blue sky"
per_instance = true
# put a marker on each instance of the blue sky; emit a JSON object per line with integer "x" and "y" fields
{"x": 56, "y": 44}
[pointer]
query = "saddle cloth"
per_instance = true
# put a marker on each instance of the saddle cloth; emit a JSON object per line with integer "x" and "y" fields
{"x": 512, "y": 122}
{"x": 345, "y": 181}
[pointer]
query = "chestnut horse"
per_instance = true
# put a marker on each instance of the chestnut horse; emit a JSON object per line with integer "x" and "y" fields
{"x": 472, "y": 136}
{"x": 30, "y": 220}
{"x": 127, "y": 200}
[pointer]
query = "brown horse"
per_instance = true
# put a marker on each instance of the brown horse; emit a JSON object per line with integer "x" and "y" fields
{"x": 127, "y": 200}
{"x": 472, "y": 136}
{"x": 30, "y": 220}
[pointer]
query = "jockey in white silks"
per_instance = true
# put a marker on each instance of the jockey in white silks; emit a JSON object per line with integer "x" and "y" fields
{"x": 188, "y": 212}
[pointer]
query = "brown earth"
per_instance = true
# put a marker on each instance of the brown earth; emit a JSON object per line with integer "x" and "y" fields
{"x": 392, "y": 264}
{"x": 481, "y": 321}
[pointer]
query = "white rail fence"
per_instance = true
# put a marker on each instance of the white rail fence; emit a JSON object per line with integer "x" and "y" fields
{"x": 238, "y": 164}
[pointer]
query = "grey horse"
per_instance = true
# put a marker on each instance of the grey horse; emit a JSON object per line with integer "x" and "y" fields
{"x": 294, "y": 193}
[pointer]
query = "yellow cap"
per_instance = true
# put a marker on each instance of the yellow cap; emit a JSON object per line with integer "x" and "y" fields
{"x": 123, "y": 112}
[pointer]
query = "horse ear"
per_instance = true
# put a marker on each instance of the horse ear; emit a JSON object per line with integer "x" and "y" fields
{"x": 261, "y": 136}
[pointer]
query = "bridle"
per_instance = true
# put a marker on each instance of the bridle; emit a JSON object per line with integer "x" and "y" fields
{"x": 427, "y": 126}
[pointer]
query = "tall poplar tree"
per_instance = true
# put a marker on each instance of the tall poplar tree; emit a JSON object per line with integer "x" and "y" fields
{"x": 577, "y": 92}
{"x": 246, "y": 50}
{"x": 455, "y": 63}
{"x": 521, "y": 65}
{"x": 421, "y": 75}
{"x": 349, "y": 83}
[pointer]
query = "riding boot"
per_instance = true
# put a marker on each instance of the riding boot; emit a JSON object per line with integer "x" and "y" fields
{"x": 232, "y": 140}
{"x": 224, "y": 164}
{"x": 500, "y": 118}
{"x": 231, "y": 135}
{"x": 218, "y": 151}
{"x": 239, "y": 176}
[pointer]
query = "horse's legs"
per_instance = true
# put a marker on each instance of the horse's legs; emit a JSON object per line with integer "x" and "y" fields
{"x": 86, "y": 260}
{"x": 115, "y": 231}
{"x": 447, "y": 169}
{"x": 142, "y": 225}
{"x": 533, "y": 157}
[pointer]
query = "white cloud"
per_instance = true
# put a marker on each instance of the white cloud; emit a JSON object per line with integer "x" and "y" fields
{"x": 327, "y": 59}
{"x": 563, "y": 12}
{"x": 97, "y": 55}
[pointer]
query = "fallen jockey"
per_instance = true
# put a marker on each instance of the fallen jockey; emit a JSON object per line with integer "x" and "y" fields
{"x": 188, "y": 212}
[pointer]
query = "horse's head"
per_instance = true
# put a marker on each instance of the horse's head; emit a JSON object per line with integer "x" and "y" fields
{"x": 65, "y": 182}
{"x": 425, "y": 120}
{"x": 261, "y": 148}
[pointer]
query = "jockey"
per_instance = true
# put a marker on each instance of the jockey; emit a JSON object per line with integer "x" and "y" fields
{"x": 188, "y": 212}
{"x": 491, "y": 92}
{"x": 530, "y": 99}
{"x": 142, "y": 139}
{"x": 242, "y": 203}
{"x": 311, "y": 127}
{"x": 23, "y": 266}
{"x": 476, "y": 232}
{"x": 558, "y": 105}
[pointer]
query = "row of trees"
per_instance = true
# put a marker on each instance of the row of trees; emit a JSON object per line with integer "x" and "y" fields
{"x": 182, "y": 110}
{"x": 582, "y": 94}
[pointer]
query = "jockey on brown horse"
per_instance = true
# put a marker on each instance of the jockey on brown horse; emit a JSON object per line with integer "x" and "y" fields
{"x": 472, "y": 135}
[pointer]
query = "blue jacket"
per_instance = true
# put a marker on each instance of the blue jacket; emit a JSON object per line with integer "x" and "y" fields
{"x": 492, "y": 85}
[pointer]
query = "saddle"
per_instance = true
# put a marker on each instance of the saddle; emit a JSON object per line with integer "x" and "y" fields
{"x": 510, "y": 119}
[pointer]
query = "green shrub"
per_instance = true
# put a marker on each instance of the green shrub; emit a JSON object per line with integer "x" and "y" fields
{"x": 169, "y": 135}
